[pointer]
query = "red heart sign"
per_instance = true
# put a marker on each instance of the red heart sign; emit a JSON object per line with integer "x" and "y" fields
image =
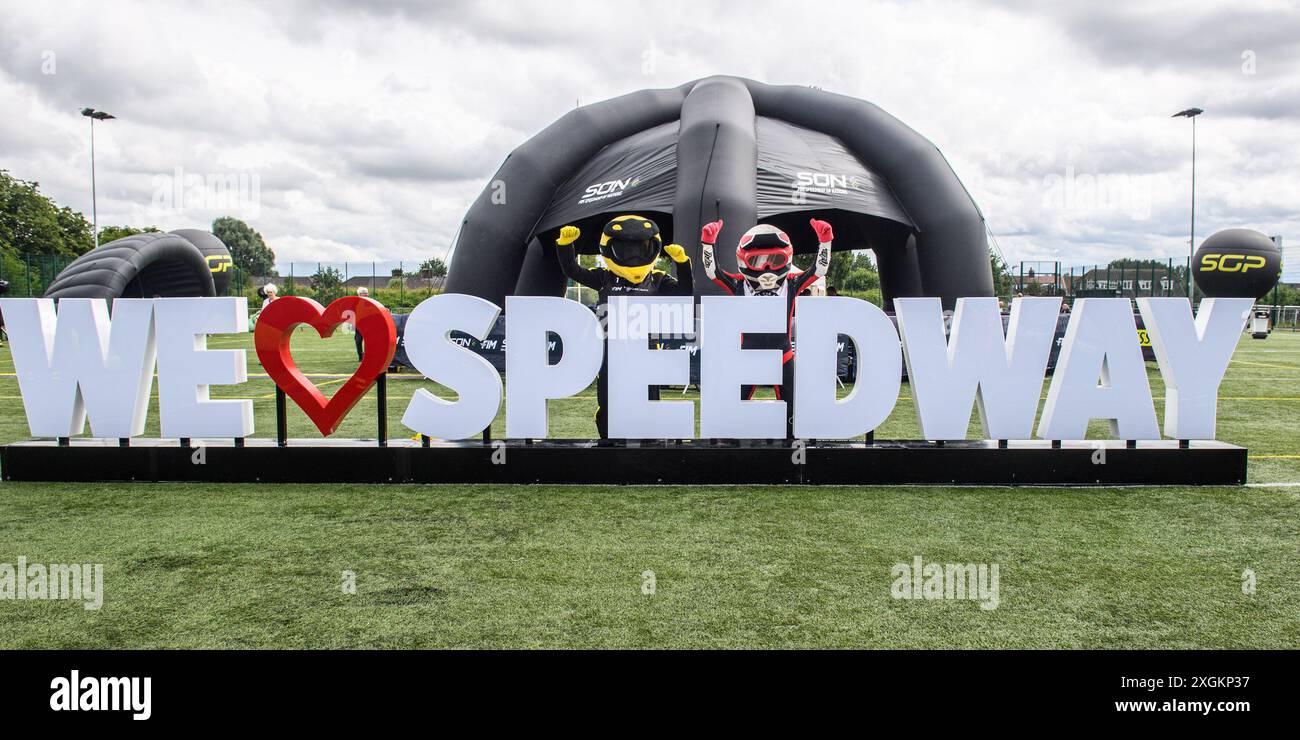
{"x": 275, "y": 326}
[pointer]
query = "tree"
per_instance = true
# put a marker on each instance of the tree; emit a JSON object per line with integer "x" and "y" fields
{"x": 31, "y": 222}
{"x": 1003, "y": 282}
{"x": 841, "y": 263}
{"x": 435, "y": 267}
{"x": 113, "y": 233}
{"x": 247, "y": 248}
{"x": 327, "y": 284}
{"x": 861, "y": 280}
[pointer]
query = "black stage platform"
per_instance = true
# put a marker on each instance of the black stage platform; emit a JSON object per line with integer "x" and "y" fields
{"x": 690, "y": 462}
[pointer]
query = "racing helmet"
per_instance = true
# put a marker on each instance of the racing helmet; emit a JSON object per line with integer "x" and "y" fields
{"x": 764, "y": 250}
{"x": 630, "y": 245}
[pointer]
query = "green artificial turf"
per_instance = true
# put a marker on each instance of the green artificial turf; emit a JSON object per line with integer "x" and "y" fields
{"x": 259, "y": 566}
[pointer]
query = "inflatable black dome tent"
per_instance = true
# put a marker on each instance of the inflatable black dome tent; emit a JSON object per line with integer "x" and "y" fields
{"x": 735, "y": 149}
{"x": 178, "y": 264}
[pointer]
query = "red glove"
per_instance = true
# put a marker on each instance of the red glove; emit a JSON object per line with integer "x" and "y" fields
{"x": 824, "y": 231}
{"x": 709, "y": 234}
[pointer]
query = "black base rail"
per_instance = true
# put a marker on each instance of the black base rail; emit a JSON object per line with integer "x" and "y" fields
{"x": 671, "y": 462}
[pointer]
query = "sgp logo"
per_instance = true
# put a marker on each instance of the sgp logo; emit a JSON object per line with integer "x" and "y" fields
{"x": 220, "y": 263}
{"x": 1231, "y": 262}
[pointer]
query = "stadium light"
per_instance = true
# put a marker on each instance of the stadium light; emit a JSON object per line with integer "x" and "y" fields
{"x": 94, "y": 115}
{"x": 1191, "y": 113}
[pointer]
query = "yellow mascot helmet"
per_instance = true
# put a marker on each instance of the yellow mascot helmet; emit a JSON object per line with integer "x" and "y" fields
{"x": 631, "y": 245}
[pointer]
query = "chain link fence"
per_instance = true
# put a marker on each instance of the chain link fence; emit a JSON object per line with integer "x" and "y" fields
{"x": 1147, "y": 279}
{"x": 29, "y": 274}
{"x": 399, "y": 285}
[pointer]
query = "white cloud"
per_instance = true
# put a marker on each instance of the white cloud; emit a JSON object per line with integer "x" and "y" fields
{"x": 308, "y": 249}
{"x": 370, "y": 129}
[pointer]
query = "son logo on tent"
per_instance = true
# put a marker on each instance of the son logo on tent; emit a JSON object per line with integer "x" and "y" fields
{"x": 608, "y": 189}
{"x": 825, "y": 182}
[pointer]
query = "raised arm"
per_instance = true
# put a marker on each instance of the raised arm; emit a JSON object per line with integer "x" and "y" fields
{"x": 569, "y": 260}
{"x": 825, "y": 235}
{"x": 684, "y": 283}
{"x": 729, "y": 282}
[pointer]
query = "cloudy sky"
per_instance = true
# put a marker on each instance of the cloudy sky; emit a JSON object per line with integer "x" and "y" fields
{"x": 360, "y": 131}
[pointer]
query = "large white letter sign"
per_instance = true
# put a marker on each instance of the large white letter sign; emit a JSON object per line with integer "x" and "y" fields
{"x": 818, "y": 324}
{"x": 186, "y": 367}
{"x": 438, "y": 358}
{"x": 80, "y": 361}
{"x": 634, "y": 367}
{"x": 1193, "y": 356}
{"x": 725, "y": 367}
{"x": 1004, "y": 377}
{"x": 1100, "y": 342}
{"x": 530, "y": 379}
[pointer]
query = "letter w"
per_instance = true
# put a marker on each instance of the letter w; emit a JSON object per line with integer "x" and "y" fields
{"x": 80, "y": 362}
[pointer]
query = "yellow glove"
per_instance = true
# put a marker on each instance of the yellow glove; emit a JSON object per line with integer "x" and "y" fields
{"x": 676, "y": 253}
{"x": 568, "y": 235}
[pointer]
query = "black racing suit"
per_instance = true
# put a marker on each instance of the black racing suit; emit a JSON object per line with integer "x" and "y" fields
{"x": 607, "y": 284}
{"x": 790, "y": 286}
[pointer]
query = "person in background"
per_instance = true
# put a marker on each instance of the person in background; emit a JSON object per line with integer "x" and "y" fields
{"x": 4, "y": 290}
{"x": 267, "y": 293}
{"x": 364, "y": 292}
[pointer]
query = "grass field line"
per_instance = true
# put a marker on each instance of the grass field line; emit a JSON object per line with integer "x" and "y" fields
{"x": 1267, "y": 364}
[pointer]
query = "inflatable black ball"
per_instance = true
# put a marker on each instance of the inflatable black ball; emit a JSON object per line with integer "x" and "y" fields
{"x": 1237, "y": 263}
{"x": 214, "y": 250}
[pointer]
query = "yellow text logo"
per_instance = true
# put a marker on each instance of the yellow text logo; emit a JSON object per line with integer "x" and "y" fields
{"x": 1231, "y": 262}
{"x": 220, "y": 263}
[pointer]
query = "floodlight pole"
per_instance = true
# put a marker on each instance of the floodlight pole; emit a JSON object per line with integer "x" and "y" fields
{"x": 1191, "y": 113}
{"x": 94, "y": 205}
{"x": 1191, "y": 244}
{"x": 93, "y": 114}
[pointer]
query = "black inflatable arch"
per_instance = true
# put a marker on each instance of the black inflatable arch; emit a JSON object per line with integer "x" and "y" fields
{"x": 139, "y": 266}
{"x": 938, "y": 248}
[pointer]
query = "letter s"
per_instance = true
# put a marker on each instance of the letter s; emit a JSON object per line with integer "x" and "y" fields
{"x": 444, "y": 361}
